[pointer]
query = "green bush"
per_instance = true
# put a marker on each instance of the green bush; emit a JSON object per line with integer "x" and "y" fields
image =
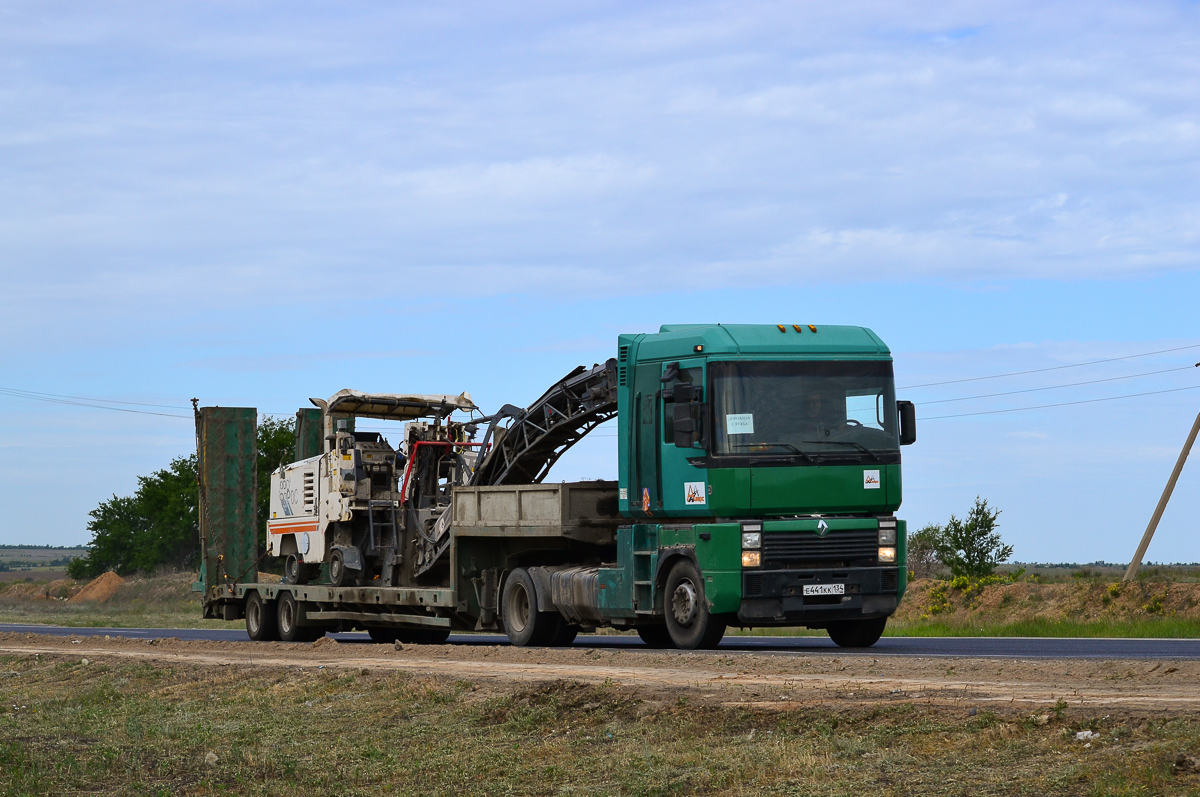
{"x": 971, "y": 547}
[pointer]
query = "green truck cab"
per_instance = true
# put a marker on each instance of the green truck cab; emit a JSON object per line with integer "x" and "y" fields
{"x": 764, "y": 463}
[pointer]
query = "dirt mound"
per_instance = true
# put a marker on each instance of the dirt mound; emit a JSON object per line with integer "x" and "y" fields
{"x": 58, "y": 589}
{"x": 99, "y": 589}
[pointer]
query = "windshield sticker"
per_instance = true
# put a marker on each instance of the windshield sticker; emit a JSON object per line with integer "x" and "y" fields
{"x": 693, "y": 493}
{"x": 741, "y": 423}
{"x": 870, "y": 480}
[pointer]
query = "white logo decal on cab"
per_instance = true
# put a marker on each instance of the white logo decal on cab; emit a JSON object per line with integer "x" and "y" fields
{"x": 693, "y": 493}
{"x": 870, "y": 480}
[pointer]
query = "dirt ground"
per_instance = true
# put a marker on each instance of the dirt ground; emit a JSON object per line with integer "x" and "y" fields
{"x": 762, "y": 682}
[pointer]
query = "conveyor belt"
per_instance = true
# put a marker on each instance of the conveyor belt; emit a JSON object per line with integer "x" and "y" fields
{"x": 524, "y": 450}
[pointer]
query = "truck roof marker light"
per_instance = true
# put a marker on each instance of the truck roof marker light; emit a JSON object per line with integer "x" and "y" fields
{"x": 782, "y": 328}
{"x": 797, "y": 327}
{"x": 811, "y": 327}
{"x": 698, "y": 348}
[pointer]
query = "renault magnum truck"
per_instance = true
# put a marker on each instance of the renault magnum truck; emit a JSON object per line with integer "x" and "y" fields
{"x": 758, "y": 481}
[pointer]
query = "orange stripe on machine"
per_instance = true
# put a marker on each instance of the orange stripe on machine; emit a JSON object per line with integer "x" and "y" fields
{"x": 292, "y": 525}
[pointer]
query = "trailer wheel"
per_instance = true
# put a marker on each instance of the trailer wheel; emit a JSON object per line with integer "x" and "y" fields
{"x": 655, "y": 636}
{"x": 523, "y": 623}
{"x": 424, "y": 636}
{"x": 383, "y": 636}
{"x": 689, "y": 623}
{"x": 261, "y": 621}
{"x": 857, "y": 633}
{"x": 290, "y": 629}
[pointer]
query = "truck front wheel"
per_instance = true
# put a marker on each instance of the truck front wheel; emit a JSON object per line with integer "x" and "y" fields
{"x": 260, "y": 619}
{"x": 689, "y": 622}
{"x": 523, "y": 623}
{"x": 857, "y": 633}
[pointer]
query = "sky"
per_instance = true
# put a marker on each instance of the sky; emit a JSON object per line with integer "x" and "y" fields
{"x": 252, "y": 204}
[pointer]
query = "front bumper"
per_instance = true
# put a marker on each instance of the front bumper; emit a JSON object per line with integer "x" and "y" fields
{"x": 776, "y": 597}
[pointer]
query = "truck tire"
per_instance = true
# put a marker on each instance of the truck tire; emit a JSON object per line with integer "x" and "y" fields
{"x": 857, "y": 633}
{"x": 290, "y": 629}
{"x": 689, "y": 623}
{"x": 655, "y": 636}
{"x": 261, "y": 620}
{"x": 523, "y": 623}
{"x": 564, "y": 635}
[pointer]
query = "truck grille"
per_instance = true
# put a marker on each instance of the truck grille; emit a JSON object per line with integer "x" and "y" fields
{"x": 799, "y": 549}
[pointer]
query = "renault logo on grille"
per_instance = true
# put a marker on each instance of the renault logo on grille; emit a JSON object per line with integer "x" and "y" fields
{"x": 822, "y": 528}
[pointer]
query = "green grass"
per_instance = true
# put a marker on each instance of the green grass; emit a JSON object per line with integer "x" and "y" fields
{"x": 141, "y": 729}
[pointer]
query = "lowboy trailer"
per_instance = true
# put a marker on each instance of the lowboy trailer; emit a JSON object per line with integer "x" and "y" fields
{"x": 758, "y": 480}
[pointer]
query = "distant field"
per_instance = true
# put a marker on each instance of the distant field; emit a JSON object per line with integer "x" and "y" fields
{"x": 33, "y": 574}
{"x": 35, "y": 562}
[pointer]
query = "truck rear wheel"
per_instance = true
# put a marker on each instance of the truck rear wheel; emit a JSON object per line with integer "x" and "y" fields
{"x": 564, "y": 635}
{"x": 689, "y": 622}
{"x": 857, "y": 633}
{"x": 261, "y": 623}
{"x": 523, "y": 623}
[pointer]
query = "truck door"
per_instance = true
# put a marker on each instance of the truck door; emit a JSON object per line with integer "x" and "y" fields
{"x": 647, "y": 389}
{"x": 684, "y": 487}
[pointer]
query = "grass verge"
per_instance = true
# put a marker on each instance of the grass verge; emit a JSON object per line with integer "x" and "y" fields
{"x": 1158, "y": 628}
{"x": 70, "y": 727}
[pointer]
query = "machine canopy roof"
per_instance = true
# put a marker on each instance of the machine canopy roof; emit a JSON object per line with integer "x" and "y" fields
{"x": 391, "y": 406}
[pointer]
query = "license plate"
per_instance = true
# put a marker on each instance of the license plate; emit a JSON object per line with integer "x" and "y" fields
{"x": 824, "y": 589}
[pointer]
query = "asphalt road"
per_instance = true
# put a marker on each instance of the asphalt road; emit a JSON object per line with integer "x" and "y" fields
{"x": 987, "y": 647}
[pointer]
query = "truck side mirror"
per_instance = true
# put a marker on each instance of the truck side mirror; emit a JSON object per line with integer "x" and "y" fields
{"x": 908, "y": 422}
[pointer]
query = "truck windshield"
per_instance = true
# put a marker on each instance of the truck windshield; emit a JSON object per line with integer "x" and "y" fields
{"x": 837, "y": 412}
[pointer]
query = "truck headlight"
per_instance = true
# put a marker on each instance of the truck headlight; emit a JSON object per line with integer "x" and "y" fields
{"x": 751, "y": 539}
{"x": 751, "y": 558}
{"x": 886, "y": 554}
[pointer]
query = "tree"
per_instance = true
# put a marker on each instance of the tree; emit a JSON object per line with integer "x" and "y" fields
{"x": 154, "y": 527}
{"x": 923, "y": 560}
{"x": 276, "y": 444}
{"x": 973, "y": 547}
{"x": 157, "y": 526}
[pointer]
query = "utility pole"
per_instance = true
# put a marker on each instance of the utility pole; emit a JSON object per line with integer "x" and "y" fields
{"x": 1131, "y": 572}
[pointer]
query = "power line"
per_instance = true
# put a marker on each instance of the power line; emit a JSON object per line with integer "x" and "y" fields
{"x": 1062, "y": 404}
{"x": 1056, "y": 387}
{"x": 46, "y": 397}
{"x": 36, "y": 395}
{"x": 1054, "y": 368}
